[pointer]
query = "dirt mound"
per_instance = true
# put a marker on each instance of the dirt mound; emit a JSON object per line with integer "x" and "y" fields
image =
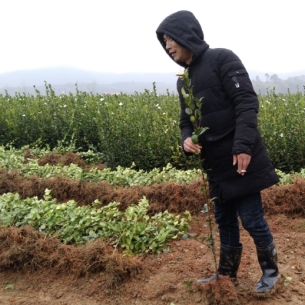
{"x": 169, "y": 196}
{"x": 28, "y": 250}
{"x": 175, "y": 198}
{"x": 66, "y": 159}
{"x": 35, "y": 269}
{"x": 288, "y": 199}
{"x": 221, "y": 292}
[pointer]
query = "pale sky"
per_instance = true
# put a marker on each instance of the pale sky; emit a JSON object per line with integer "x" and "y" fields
{"x": 119, "y": 35}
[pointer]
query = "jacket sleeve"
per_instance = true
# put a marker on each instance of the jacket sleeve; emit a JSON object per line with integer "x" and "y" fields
{"x": 239, "y": 89}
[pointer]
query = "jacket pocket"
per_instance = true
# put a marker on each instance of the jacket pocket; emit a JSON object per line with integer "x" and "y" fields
{"x": 234, "y": 76}
{"x": 250, "y": 183}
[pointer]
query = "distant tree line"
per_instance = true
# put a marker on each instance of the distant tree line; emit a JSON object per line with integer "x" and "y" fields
{"x": 262, "y": 87}
{"x": 273, "y": 82}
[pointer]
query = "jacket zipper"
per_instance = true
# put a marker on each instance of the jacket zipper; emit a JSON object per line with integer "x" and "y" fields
{"x": 234, "y": 78}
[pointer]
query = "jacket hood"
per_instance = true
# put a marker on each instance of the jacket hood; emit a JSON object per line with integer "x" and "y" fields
{"x": 185, "y": 29}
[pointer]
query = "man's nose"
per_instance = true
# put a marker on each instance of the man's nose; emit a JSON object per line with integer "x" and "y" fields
{"x": 167, "y": 46}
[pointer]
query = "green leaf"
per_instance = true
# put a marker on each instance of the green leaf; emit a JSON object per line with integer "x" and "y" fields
{"x": 188, "y": 111}
{"x": 205, "y": 208}
{"x": 183, "y": 91}
{"x": 9, "y": 286}
{"x": 204, "y": 191}
{"x": 195, "y": 139}
{"x": 198, "y": 113}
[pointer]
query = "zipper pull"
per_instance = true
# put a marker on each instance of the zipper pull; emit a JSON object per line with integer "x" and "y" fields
{"x": 235, "y": 81}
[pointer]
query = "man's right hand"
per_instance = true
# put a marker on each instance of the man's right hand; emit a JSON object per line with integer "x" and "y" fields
{"x": 190, "y": 147}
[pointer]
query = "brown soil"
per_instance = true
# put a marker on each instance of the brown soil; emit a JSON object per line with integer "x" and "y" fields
{"x": 39, "y": 270}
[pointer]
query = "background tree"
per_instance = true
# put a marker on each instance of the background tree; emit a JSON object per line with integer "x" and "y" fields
{"x": 274, "y": 78}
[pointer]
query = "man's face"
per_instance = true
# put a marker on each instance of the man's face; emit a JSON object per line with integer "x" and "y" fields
{"x": 178, "y": 52}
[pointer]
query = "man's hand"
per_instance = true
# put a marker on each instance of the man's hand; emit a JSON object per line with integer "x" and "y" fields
{"x": 190, "y": 147}
{"x": 242, "y": 161}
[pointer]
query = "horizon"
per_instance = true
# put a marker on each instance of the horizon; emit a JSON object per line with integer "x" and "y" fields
{"x": 67, "y": 79}
{"x": 127, "y": 72}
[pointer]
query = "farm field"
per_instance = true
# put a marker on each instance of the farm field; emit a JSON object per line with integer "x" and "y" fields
{"x": 35, "y": 269}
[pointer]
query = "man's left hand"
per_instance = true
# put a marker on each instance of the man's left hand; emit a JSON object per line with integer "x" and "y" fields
{"x": 242, "y": 161}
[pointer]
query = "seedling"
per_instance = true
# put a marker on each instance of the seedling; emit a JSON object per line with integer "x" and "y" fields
{"x": 188, "y": 286}
{"x": 193, "y": 109}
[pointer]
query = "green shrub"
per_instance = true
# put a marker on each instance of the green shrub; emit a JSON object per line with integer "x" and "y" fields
{"x": 142, "y": 128}
{"x": 282, "y": 125}
{"x": 133, "y": 230}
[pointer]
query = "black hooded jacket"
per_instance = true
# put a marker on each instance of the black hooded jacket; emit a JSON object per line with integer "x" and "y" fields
{"x": 229, "y": 110}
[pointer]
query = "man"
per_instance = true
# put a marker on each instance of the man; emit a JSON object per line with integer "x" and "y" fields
{"x": 235, "y": 158}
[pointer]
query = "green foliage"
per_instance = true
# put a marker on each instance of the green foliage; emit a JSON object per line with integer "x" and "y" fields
{"x": 9, "y": 286}
{"x": 142, "y": 128}
{"x": 133, "y": 230}
{"x": 193, "y": 107}
{"x": 290, "y": 177}
{"x": 188, "y": 286}
{"x": 282, "y": 125}
{"x": 12, "y": 159}
{"x": 124, "y": 129}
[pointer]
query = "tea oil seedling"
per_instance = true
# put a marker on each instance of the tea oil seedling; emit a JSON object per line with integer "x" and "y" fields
{"x": 188, "y": 286}
{"x": 193, "y": 109}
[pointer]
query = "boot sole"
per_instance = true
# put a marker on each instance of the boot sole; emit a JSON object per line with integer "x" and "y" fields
{"x": 267, "y": 293}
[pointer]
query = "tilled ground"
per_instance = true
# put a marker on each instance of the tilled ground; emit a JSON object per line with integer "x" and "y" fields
{"x": 39, "y": 270}
{"x": 165, "y": 278}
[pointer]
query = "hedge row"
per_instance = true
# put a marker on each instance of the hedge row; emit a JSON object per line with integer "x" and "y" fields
{"x": 140, "y": 128}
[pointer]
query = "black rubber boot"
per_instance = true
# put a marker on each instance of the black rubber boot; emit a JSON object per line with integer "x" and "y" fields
{"x": 228, "y": 263}
{"x": 267, "y": 258}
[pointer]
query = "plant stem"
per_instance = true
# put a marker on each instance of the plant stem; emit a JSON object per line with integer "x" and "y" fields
{"x": 210, "y": 216}
{"x": 194, "y": 111}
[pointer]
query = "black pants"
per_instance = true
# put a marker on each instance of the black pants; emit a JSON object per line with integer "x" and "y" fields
{"x": 251, "y": 213}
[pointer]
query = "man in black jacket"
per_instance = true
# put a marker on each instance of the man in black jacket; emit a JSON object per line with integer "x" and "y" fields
{"x": 235, "y": 158}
